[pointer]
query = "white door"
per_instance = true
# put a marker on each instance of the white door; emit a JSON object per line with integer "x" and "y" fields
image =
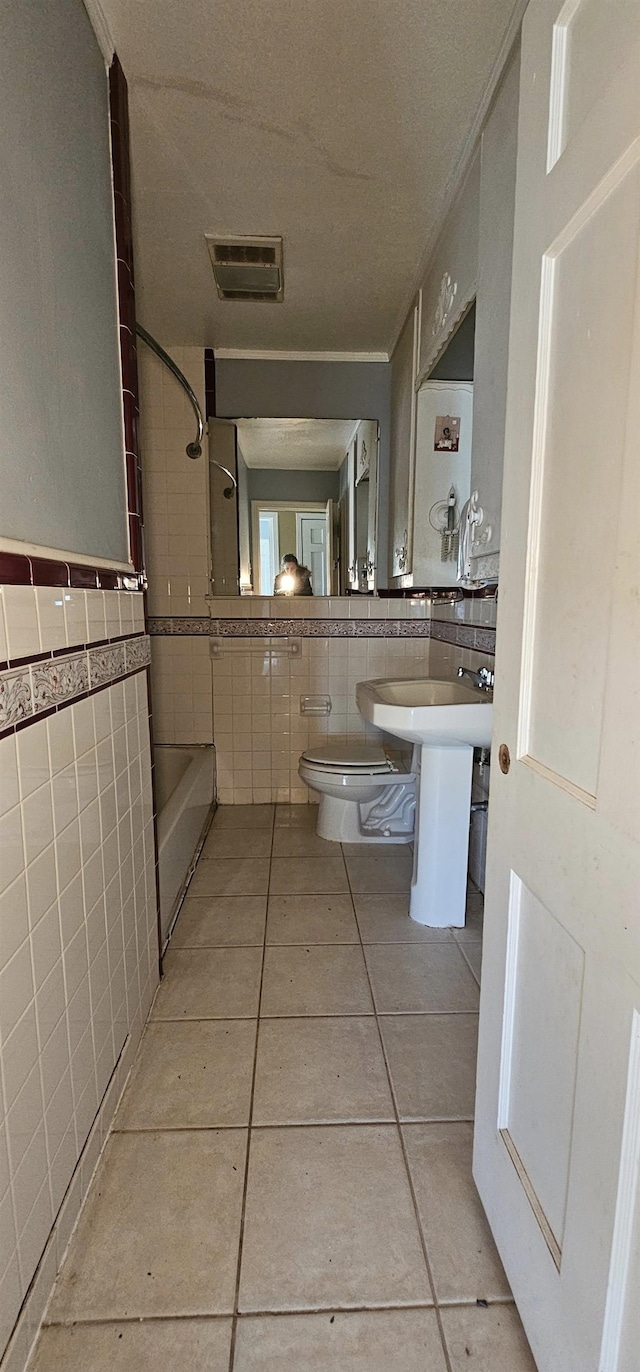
{"x": 333, "y": 561}
{"x": 312, "y": 548}
{"x": 558, "y": 1111}
{"x": 269, "y": 550}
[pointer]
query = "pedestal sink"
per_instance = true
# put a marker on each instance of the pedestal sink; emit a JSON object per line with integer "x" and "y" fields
{"x": 447, "y": 720}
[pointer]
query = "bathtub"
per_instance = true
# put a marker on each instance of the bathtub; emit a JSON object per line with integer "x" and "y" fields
{"x": 184, "y": 779}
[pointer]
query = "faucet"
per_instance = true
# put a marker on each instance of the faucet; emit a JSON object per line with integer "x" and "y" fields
{"x": 483, "y": 679}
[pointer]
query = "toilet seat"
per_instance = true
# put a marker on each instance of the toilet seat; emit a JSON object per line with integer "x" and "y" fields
{"x": 349, "y": 760}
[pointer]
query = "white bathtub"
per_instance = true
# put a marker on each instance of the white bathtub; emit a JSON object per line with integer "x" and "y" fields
{"x": 184, "y": 795}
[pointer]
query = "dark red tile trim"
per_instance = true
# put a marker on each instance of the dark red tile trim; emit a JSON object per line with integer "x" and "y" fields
{"x": 210, "y": 382}
{"x": 119, "y": 113}
{"x": 15, "y": 570}
{"x": 436, "y": 593}
{"x": 46, "y": 572}
{"x": 18, "y": 570}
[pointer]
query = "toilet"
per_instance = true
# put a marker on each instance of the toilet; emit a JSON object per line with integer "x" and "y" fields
{"x": 365, "y": 796}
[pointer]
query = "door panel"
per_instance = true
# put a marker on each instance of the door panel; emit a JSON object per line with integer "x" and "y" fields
{"x": 581, "y": 387}
{"x": 558, "y": 1106}
{"x": 543, "y": 1002}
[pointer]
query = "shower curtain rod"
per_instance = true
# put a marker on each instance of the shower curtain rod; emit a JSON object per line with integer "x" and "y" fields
{"x": 193, "y": 449}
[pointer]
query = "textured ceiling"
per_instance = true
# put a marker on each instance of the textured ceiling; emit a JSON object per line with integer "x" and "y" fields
{"x": 335, "y": 123}
{"x": 305, "y": 444}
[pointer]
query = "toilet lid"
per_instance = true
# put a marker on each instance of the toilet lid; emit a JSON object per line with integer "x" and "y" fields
{"x": 350, "y": 757}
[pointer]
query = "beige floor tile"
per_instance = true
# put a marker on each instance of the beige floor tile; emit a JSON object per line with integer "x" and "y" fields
{"x": 308, "y": 876}
{"x": 463, "y": 1256}
{"x": 159, "y": 1232}
{"x": 216, "y": 921}
{"x": 315, "y": 1071}
{"x": 421, "y": 978}
{"x": 191, "y": 1345}
{"x": 209, "y": 983}
{"x": 315, "y": 981}
{"x": 472, "y": 953}
{"x": 329, "y": 1221}
{"x": 311, "y": 919}
{"x": 231, "y": 877}
{"x": 357, "y": 1341}
{"x": 191, "y": 1076}
{"x": 297, "y": 817}
{"x": 432, "y": 1060}
{"x": 301, "y": 841}
{"x": 235, "y": 843}
{"x": 385, "y": 919}
{"x": 490, "y": 1340}
{"x": 383, "y": 870}
{"x": 242, "y": 817}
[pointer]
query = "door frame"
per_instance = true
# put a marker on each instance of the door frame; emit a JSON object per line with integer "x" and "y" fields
{"x": 304, "y": 506}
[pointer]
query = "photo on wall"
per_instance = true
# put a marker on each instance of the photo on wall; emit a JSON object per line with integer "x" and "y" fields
{"x": 447, "y": 433}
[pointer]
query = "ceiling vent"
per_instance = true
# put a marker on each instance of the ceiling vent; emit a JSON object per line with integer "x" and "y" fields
{"x": 247, "y": 268}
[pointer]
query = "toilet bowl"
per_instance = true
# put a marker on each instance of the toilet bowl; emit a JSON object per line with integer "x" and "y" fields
{"x": 365, "y": 796}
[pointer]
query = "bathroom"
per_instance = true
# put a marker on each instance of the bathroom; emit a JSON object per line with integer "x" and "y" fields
{"x": 239, "y": 1027}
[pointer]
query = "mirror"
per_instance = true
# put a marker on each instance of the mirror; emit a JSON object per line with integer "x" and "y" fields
{"x": 306, "y": 488}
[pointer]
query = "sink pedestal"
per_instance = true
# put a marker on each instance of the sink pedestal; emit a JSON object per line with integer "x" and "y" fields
{"x": 439, "y": 884}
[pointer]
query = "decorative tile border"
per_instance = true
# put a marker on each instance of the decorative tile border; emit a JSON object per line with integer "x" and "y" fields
{"x": 168, "y": 626}
{"x": 462, "y": 635}
{"x": 38, "y": 687}
{"x": 60, "y": 680}
{"x": 482, "y": 640}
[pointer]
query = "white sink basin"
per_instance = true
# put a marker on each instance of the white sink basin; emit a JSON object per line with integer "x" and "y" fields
{"x": 440, "y": 713}
{"x": 447, "y": 719}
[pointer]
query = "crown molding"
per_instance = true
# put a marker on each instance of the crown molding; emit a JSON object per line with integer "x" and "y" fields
{"x": 98, "y": 21}
{"x": 253, "y": 355}
{"x": 461, "y": 167}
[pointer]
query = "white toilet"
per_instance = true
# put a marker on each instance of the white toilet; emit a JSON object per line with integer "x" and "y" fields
{"x": 365, "y": 796}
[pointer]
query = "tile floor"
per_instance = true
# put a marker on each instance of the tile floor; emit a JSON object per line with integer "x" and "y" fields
{"x": 288, "y": 1184}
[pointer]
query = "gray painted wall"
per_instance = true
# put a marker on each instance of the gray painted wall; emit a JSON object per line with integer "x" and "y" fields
{"x": 497, "y": 208}
{"x": 247, "y": 389}
{"x": 274, "y": 484}
{"x": 456, "y": 362}
{"x": 62, "y": 447}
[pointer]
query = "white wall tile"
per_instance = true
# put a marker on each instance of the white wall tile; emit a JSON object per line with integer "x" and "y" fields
{"x": 9, "y": 789}
{"x": 11, "y": 847}
{"x": 21, "y": 621}
{"x": 96, "y": 616}
{"x": 75, "y": 614}
{"x": 41, "y": 883}
{"x": 51, "y": 620}
{"x": 61, "y": 1033}
{"x": 32, "y": 749}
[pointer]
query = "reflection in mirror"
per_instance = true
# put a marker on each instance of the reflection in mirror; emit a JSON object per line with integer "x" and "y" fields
{"x": 307, "y": 495}
{"x": 442, "y": 476}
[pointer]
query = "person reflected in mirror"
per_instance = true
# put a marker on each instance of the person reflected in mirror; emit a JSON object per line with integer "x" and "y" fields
{"x": 294, "y": 579}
